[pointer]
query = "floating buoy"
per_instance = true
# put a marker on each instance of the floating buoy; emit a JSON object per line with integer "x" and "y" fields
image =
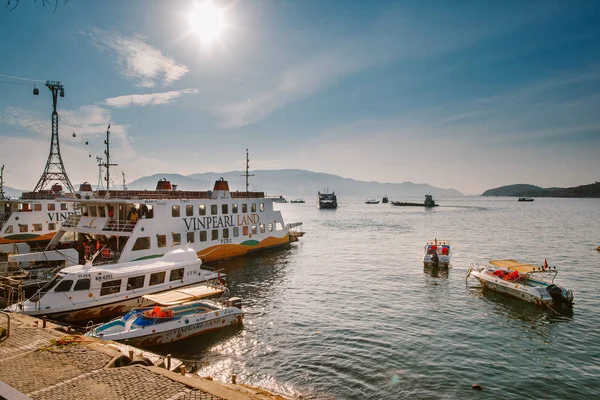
{"x": 477, "y": 386}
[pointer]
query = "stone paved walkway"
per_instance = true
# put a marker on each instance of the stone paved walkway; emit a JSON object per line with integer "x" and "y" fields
{"x": 35, "y": 364}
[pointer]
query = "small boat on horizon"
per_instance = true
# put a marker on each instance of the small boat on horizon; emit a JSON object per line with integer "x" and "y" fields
{"x": 385, "y": 199}
{"x": 525, "y": 199}
{"x": 429, "y": 202}
{"x": 297, "y": 201}
{"x": 280, "y": 199}
{"x": 327, "y": 201}
{"x": 372, "y": 201}
{"x": 177, "y": 315}
{"x": 437, "y": 253}
{"x": 524, "y": 281}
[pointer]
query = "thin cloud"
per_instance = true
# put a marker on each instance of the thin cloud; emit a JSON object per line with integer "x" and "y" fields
{"x": 139, "y": 61}
{"x": 151, "y": 99}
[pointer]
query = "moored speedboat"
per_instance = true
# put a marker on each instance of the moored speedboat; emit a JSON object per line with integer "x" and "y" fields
{"x": 372, "y": 201}
{"x": 179, "y": 314}
{"x": 437, "y": 253}
{"x": 87, "y": 292}
{"x": 523, "y": 281}
{"x": 299, "y": 201}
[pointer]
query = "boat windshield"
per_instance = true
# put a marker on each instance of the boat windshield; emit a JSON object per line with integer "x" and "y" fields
{"x": 46, "y": 288}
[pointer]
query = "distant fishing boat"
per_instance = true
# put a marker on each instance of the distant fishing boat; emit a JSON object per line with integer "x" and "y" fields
{"x": 372, "y": 201}
{"x": 280, "y": 199}
{"x": 385, "y": 199}
{"x": 429, "y": 202}
{"x": 524, "y": 281}
{"x": 525, "y": 199}
{"x": 298, "y": 201}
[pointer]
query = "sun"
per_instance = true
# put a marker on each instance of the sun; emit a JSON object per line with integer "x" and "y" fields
{"x": 207, "y": 21}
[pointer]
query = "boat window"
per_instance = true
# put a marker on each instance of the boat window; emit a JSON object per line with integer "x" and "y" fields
{"x": 214, "y": 209}
{"x": 244, "y": 208}
{"x": 245, "y": 230}
{"x": 254, "y": 230}
{"x": 9, "y": 229}
{"x": 261, "y": 207}
{"x": 82, "y": 284}
{"x": 101, "y": 212}
{"x": 135, "y": 282}
{"x": 157, "y": 278}
{"x": 37, "y": 227}
{"x": 270, "y": 227}
{"x": 141, "y": 243}
{"x": 64, "y": 206}
{"x": 92, "y": 211}
{"x": 64, "y": 286}
{"x": 23, "y": 228}
{"x": 51, "y": 226}
{"x": 215, "y": 234}
{"x": 234, "y": 208}
{"x": 262, "y": 228}
{"x": 37, "y": 207}
{"x": 203, "y": 236}
{"x": 236, "y": 231}
{"x": 148, "y": 210}
{"x": 253, "y": 207}
{"x": 110, "y": 287}
{"x": 161, "y": 240}
{"x": 201, "y": 209}
{"x": 175, "y": 211}
{"x": 224, "y": 209}
{"x": 51, "y": 207}
{"x": 225, "y": 233}
{"x": 189, "y": 210}
{"x": 176, "y": 274}
{"x": 176, "y": 239}
{"x": 190, "y": 237}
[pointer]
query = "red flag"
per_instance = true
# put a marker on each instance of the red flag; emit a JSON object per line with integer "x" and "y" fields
{"x": 545, "y": 264}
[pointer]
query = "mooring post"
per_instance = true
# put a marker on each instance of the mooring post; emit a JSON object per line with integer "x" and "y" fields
{"x": 168, "y": 362}
{"x": 233, "y": 378}
{"x": 131, "y": 354}
{"x": 43, "y": 321}
{"x": 182, "y": 370}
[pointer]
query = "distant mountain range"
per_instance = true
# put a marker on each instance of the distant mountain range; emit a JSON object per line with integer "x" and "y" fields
{"x": 294, "y": 182}
{"x": 285, "y": 182}
{"x": 522, "y": 190}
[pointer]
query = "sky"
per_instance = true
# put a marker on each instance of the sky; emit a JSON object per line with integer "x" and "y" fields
{"x": 469, "y": 95}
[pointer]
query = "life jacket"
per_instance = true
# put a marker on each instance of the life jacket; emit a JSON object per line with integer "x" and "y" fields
{"x": 106, "y": 252}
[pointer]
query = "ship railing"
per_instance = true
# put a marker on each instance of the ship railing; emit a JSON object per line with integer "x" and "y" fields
{"x": 120, "y": 225}
{"x": 72, "y": 221}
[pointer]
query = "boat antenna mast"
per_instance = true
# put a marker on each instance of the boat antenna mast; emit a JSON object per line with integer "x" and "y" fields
{"x": 107, "y": 164}
{"x": 2, "y": 182}
{"x": 55, "y": 169}
{"x": 124, "y": 187}
{"x": 247, "y": 175}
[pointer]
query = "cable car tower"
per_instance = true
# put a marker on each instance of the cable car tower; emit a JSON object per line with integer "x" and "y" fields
{"x": 55, "y": 169}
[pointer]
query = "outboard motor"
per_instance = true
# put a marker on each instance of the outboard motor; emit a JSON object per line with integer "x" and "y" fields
{"x": 560, "y": 295}
{"x": 234, "y": 302}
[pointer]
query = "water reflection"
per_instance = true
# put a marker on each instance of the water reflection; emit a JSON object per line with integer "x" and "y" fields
{"x": 436, "y": 271}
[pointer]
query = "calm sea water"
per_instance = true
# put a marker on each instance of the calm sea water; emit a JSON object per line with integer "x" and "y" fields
{"x": 349, "y": 312}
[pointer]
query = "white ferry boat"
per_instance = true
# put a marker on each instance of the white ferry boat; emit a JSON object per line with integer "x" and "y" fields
{"x": 32, "y": 220}
{"x": 179, "y": 314}
{"x": 138, "y": 225}
{"x": 87, "y": 292}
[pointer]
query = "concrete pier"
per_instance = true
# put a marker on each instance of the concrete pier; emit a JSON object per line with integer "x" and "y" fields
{"x": 46, "y": 363}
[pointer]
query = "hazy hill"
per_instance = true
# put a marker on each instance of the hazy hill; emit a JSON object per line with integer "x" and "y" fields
{"x": 591, "y": 190}
{"x": 294, "y": 182}
{"x": 12, "y": 192}
{"x": 510, "y": 190}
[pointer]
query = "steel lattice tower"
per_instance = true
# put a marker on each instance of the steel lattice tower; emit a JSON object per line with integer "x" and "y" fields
{"x": 55, "y": 169}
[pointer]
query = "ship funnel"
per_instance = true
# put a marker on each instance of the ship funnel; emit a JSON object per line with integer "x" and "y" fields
{"x": 221, "y": 190}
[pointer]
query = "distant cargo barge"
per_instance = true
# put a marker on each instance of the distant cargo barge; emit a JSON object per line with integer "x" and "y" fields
{"x": 429, "y": 202}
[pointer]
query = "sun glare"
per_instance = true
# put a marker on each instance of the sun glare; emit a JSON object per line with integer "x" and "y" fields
{"x": 207, "y": 21}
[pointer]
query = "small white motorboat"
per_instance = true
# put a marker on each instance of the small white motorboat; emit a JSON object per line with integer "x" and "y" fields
{"x": 523, "y": 281}
{"x": 179, "y": 314}
{"x": 439, "y": 249}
